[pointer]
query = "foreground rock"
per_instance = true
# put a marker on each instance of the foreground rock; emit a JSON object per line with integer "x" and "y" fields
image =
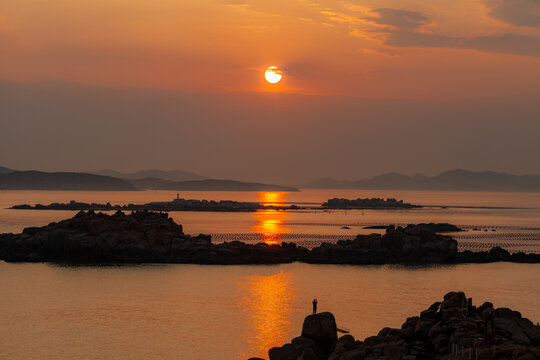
{"x": 144, "y": 236}
{"x": 451, "y": 329}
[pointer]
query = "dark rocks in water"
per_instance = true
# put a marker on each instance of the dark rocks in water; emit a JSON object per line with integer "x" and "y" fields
{"x": 367, "y": 203}
{"x": 140, "y": 237}
{"x": 413, "y": 244}
{"x": 143, "y": 237}
{"x": 440, "y": 227}
{"x": 496, "y": 254}
{"x": 454, "y": 328}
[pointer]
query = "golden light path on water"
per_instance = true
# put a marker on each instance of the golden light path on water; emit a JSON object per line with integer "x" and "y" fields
{"x": 268, "y": 302}
{"x": 270, "y": 223}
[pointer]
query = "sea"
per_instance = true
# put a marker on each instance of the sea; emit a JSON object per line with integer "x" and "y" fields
{"x": 176, "y": 311}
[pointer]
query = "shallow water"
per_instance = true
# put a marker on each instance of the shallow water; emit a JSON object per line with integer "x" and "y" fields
{"x": 225, "y": 312}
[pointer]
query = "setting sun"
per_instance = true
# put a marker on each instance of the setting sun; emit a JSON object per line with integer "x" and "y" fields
{"x": 273, "y": 75}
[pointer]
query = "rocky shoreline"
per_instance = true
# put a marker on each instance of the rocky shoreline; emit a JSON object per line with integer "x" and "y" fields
{"x": 451, "y": 329}
{"x": 151, "y": 237}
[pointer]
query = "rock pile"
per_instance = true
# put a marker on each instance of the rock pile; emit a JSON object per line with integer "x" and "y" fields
{"x": 140, "y": 237}
{"x": 412, "y": 244}
{"x": 451, "y": 329}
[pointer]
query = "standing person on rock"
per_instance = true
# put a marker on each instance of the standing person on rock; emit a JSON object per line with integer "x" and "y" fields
{"x": 315, "y": 306}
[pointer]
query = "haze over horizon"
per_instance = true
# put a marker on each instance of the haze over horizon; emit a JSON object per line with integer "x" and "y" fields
{"x": 368, "y": 87}
{"x": 284, "y": 138}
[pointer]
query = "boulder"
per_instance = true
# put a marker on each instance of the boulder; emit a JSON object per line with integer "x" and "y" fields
{"x": 301, "y": 343}
{"x": 353, "y": 355}
{"x": 322, "y": 329}
{"x": 534, "y": 334}
{"x": 507, "y": 313}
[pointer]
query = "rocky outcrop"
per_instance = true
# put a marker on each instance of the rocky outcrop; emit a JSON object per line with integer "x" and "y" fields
{"x": 412, "y": 244}
{"x": 140, "y": 237}
{"x": 451, "y": 329}
{"x": 144, "y": 236}
{"x": 494, "y": 255}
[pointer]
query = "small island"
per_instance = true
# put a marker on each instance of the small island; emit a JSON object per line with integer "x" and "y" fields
{"x": 368, "y": 203}
{"x": 177, "y": 204}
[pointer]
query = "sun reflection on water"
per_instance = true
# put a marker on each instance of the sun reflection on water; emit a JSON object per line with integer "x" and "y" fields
{"x": 268, "y": 302}
{"x": 270, "y": 223}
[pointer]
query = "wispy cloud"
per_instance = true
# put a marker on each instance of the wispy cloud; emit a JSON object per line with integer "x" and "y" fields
{"x": 516, "y": 12}
{"x": 405, "y": 28}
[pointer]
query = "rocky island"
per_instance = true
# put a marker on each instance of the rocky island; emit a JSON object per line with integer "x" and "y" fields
{"x": 180, "y": 204}
{"x": 368, "y": 203}
{"x": 151, "y": 237}
{"x": 453, "y": 328}
{"x": 177, "y": 204}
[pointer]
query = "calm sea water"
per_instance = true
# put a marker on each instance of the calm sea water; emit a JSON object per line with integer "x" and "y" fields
{"x": 234, "y": 312}
{"x": 224, "y": 312}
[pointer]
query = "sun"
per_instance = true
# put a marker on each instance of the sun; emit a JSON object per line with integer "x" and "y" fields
{"x": 273, "y": 75}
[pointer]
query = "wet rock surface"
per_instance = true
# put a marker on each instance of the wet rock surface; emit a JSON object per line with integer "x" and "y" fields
{"x": 451, "y": 329}
{"x": 144, "y": 236}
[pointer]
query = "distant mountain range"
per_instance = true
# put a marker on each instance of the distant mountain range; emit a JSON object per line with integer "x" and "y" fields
{"x": 5, "y": 170}
{"x": 38, "y": 180}
{"x": 462, "y": 180}
{"x": 221, "y": 185}
{"x": 459, "y": 179}
{"x": 171, "y": 175}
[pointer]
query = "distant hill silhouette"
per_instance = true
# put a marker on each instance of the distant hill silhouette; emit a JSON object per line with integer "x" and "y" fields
{"x": 38, "y": 180}
{"x": 171, "y": 175}
{"x": 148, "y": 182}
{"x": 458, "y": 179}
{"x": 5, "y": 170}
{"x": 221, "y": 185}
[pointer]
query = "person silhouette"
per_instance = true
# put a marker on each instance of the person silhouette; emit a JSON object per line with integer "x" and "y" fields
{"x": 315, "y": 306}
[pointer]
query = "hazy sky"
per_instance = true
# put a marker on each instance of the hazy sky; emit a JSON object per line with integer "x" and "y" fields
{"x": 369, "y": 86}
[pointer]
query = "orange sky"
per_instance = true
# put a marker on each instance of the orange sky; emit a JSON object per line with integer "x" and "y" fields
{"x": 393, "y": 48}
{"x": 369, "y": 86}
